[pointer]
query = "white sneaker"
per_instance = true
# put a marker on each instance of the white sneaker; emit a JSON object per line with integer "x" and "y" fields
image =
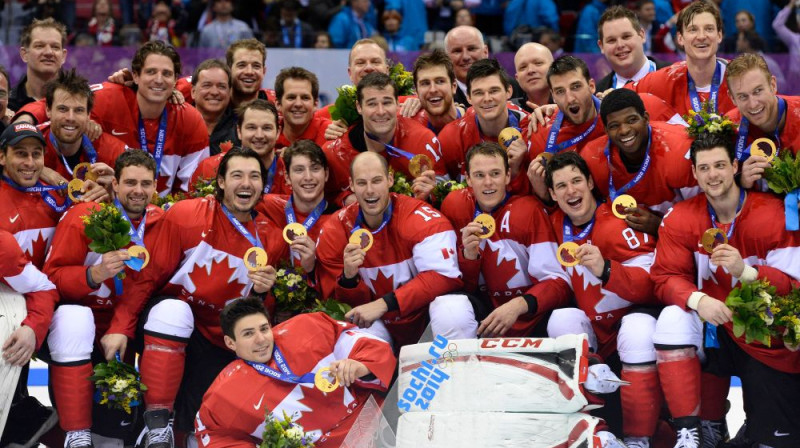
{"x": 78, "y": 439}
{"x": 637, "y": 442}
{"x": 609, "y": 440}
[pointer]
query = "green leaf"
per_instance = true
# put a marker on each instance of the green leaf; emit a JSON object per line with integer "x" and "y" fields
{"x": 738, "y": 329}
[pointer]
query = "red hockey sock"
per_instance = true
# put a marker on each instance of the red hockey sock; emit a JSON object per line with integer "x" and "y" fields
{"x": 162, "y": 370}
{"x": 641, "y": 401}
{"x": 679, "y": 374}
{"x": 73, "y": 392}
{"x": 713, "y": 392}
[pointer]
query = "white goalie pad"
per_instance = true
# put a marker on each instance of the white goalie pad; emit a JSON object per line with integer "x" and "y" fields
{"x": 12, "y": 313}
{"x": 541, "y": 375}
{"x": 495, "y": 429}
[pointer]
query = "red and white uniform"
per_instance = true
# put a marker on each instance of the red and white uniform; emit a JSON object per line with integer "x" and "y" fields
{"x": 232, "y": 413}
{"x": 207, "y": 169}
{"x": 197, "y": 257}
{"x": 108, "y": 148}
{"x": 671, "y": 85}
{"x": 682, "y": 266}
{"x": 412, "y": 257}
{"x": 29, "y": 219}
{"x": 631, "y": 254}
{"x": 315, "y": 132}
{"x": 70, "y": 257}
{"x": 184, "y": 85}
{"x": 790, "y": 136}
{"x": 409, "y": 136}
{"x": 460, "y": 135}
{"x": 273, "y": 206}
{"x": 519, "y": 258}
{"x": 36, "y": 109}
{"x": 116, "y": 110}
{"x": 668, "y": 179}
{"x": 19, "y": 274}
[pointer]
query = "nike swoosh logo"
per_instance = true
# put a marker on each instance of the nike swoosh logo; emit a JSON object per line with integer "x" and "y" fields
{"x": 114, "y": 132}
{"x": 13, "y": 219}
{"x": 124, "y": 423}
{"x": 257, "y": 407}
{"x": 781, "y": 434}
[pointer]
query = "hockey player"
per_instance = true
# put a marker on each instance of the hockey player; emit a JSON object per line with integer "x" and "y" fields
{"x": 85, "y": 282}
{"x": 435, "y": 84}
{"x": 515, "y": 269}
{"x": 297, "y": 91}
{"x": 408, "y": 269}
{"x": 232, "y": 413}
{"x": 696, "y": 283}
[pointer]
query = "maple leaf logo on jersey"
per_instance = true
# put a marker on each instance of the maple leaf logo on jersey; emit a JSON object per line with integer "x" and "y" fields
{"x": 216, "y": 281}
{"x": 226, "y": 146}
{"x": 319, "y": 419}
{"x": 499, "y": 271}
{"x": 382, "y": 284}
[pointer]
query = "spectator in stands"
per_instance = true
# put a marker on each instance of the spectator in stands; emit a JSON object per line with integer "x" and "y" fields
{"x": 554, "y": 42}
{"x": 657, "y": 34}
{"x": 103, "y": 26}
{"x": 353, "y": 22}
{"x": 416, "y": 20}
{"x": 533, "y": 13}
{"x": 395, "y": 39}
{"x": 322, "y": 40}
{"x": 489, "y": 16}
{"x": 745, "y": 22}
{"x": 42, "y": 50}
{"x": 790, "y": 38}
{"x": 295, "y": 33}
{"x": 224, "y": 29}
{"x": 162, "y": 27}
{"x": 761, "y": 15}
{"x": 320, "y": 12}
{"x": 586, "y": 32}
{"x": 443, "y": 15}
{"x": 464, "y": 17}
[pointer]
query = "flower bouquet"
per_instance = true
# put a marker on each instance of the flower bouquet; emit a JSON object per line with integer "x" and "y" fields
{"x": 332, "y": 307}
{"x": 284, "y": 433}
{"x": 707, "y": 120}
{"x": 401, "y": 184}
{"x": 403, "y": 80}
{"x": 167, "y": 201}
{"x": 442, "y": 189}
{"x": 107, "y": 229}
{"x": 292, "y": 292}
{"x": 344, "y": 108}
{"x": 761, "y": 315}
{"x": 117, "y": 385}
{"x": 783, "y": 177}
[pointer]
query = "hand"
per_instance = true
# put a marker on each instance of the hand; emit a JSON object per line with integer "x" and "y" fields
{"x": 540, "y": 116}
{"x": 502, "y": 318}
{"x": 9, "y": 115}
{"x": 410, "y": 107}
{"x": 19, "y": 347}
{"x": 601, "y": 95}
{"x": 516, "y": 153}
{"x": 263, "y": 279}
{"x": 365, "y": 315}
{"x": 111, "y": 264}
{"x": 536, "y": 175}
{"x": 351, "y": 198}
{"x": 423, "y": 185}
{"x": 336, "y": 129}
{"x": 353, "y": 259}
{"x": 729, "y": 258}
{"x": 591, "y": 258}
{"x": 347, "y": 371}
{"x": 93, "y": 192}
{"x": 753, "y": 170}
{"x": 714, "y": 311}
{"x": 93, "y": 130}
{"x": 643, "y": 219}
{"x": 122, "y": 76}
{"x": 51, "y": 177}
{"x": 177, "y": 98}
{"x": 305, "y": 247}
{"x": 112, "y": 344}
{"x": 470, "y": 240}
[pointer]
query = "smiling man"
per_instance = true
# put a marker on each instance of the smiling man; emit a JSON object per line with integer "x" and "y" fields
{"x": 297, "y": 90}
{"x": 531, "y": 62}
{"x": 211, "y": 90}
{"x": 233, "y": 408}
{"x": 42, "y": 49}
{"x": 435, "y": 83}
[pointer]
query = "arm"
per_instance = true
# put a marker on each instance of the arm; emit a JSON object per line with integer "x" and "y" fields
{"x": 374, "y": 354}
{"x": 673, "y": 270}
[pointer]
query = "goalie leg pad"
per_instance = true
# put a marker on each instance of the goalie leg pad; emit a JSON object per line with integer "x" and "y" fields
{"x": 12, "y": 313}
{"x": 452, "y": 316}
{"x": 571, "y": 321}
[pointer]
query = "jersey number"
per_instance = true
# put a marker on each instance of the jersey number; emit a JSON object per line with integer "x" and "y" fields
{"x": 632, "y": 239}
{"x": 429, "y": 211}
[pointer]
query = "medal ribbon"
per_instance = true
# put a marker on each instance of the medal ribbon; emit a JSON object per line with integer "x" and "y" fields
{"x": 137, "y": 236}
{"x": 310, "y": 220}
{"x": 161, "y": 138}
{"x": 91, "y": 154}
{"x": 513, "y": 122}
{"x": 613, "y": 192}
{"x": 496, "y": 207}
{"x": 43, "y": 190}
{"x": 254, "y": 240}
{"x": 390, "y": 149}
{"x": 651, "y": 69}
{"x": 554, "y": 148}
{"x": 568, "y": 237}
{"x": 271, "y": 173}
{"x": 744, "y": 130}
{"x": 387, "y": 216}
{"x": 286, "y": 375}
{"x": 715, "y": 81}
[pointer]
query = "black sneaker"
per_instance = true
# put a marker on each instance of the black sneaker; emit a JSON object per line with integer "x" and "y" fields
{"x": 28, "y": 420}
{"x": 715, "y": 432}
{"x": 157, "y": 432}
{"x": 740, "y": 440}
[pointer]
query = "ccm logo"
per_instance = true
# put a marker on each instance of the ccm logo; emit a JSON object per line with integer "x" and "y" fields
{"x": 510, "y": 343}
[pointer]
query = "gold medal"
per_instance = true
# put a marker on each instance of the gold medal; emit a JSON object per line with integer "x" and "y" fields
{"x": 545, "y": 157}
{"x": 141, "y": 253}
{"x": 255, "y": 258}
{"x": 622, "y": 202}
{"x": 566, "y": 254}
{"x": 83, "y": 171}
{"x": 419, "y": 164}
{"x": 323, "y": 383}
{"x": 507, "y": 137}
{"x": 292, "y": 231}
{"x": 363, "y": 238}
{"x": 764, "y": 147}
{"x": 712, "y": 238}
{"x": 487, "y": 225}
{"x": 74, "y": 189}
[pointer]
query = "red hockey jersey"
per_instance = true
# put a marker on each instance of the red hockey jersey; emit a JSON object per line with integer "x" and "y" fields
{"x": 116, "y": 110}
{"x": 315, "y": 132}
{"x": 671, "y": 84}
{"x": 28, "y": 217}
{"x": 232, "y": 413}
{"x": 108, "y": 148}
{"x": 631, "y": 255}
{"x": 414, "y": 256}
{"x": 682, "y": 266}
{"x": 520, "y": 258}
{"x": 207, "y": 169}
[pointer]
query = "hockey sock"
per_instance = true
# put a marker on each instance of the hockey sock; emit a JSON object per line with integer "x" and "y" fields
{"x": 73, "y": 391}
{"x": 162, "y": 367}
{"x": 641, "y": 401}
{"x": 679, "y": 374}
{"x": 714, "y": 393}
